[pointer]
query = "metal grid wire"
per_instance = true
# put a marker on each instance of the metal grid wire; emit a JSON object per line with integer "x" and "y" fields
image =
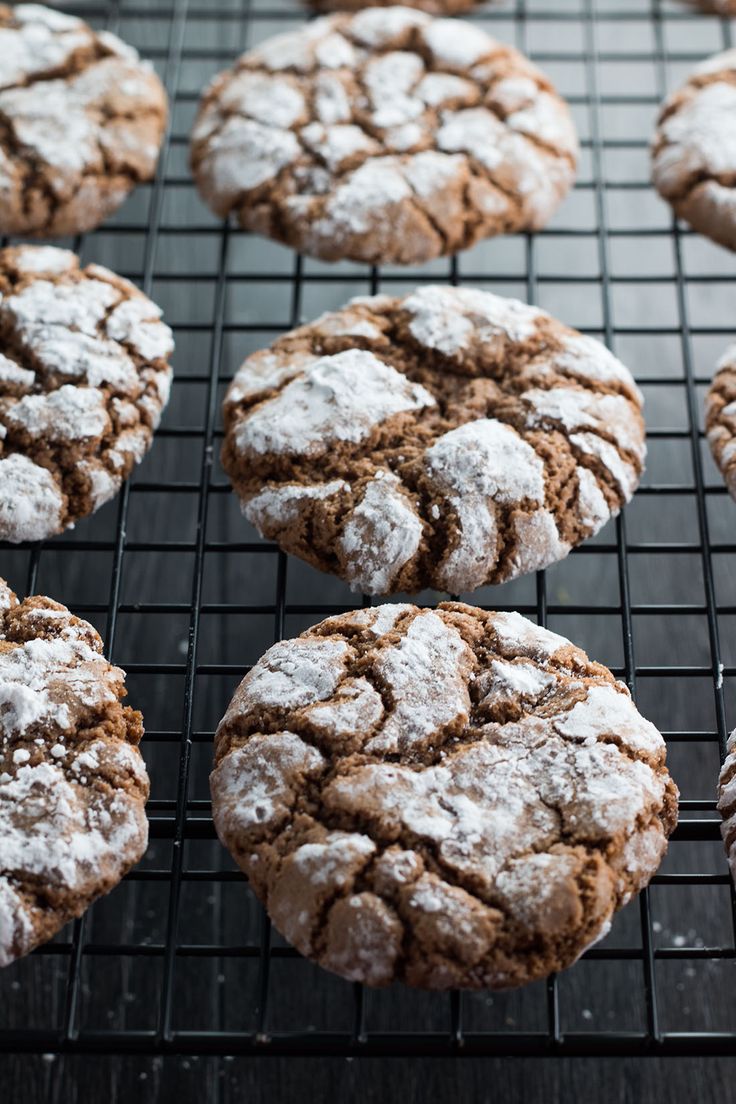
{"x": 180, "y": 959}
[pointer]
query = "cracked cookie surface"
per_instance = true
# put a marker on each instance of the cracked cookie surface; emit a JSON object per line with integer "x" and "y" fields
{"x": 81, "y": 122}
{"x": 694, "y": 149}
{"x": 84, "y": 376}
{"x": 720, "y": 418}
{"x": 447, "y": 439}
{"x": 448, "y": 797}
{"x": 73, "y": 785}
{"x": 385, "y": 136}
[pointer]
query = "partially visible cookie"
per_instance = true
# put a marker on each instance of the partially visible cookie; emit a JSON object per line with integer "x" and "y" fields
{"x": 384, "y": 136}
{"x": 84, "y": 376}
{"x": 720, "y": 418}
{"x": 433, "y": 7}
{"x": 694, "y": 149}
{"x": 447, "y": 439}
{"x": 717, "y": 7}
{"x": 727, "y": 802}
{"x": 82, "y": 122}
{"x": 448, "y": 798}
{"x": 73, "y": 785}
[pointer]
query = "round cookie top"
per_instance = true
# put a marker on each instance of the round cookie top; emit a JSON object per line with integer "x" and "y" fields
{"x": 83, "y": 120}
{"x": 72, "y": 782}
{"x": 384, "y": 136}
{"x": 444, "y": 797}
{"x": 694, "y": 149}
{"x": 447, "y": 439}
{"x": 84, "y": 376}
{"x": 720, "y": 418}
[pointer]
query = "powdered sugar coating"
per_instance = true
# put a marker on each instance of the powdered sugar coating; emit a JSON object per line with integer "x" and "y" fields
{"x": 383, "y": 136}
{"x": 84, "y": 376}
{"x": 467, "y": 806}
{"x": 72, "y": 782}
{"x": 720, "y": 418}
{"x": 694, "y": 149}
{"x": 338, "y": 398}
{"x": 467, "y": 438}
{"x": 85, "y": 121}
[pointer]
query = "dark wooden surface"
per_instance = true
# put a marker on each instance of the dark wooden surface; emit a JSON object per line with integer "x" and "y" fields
{"x": 119, "y": 993}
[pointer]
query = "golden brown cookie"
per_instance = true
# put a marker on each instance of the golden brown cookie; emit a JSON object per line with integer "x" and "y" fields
{"x": 82, "y": 122}
{"x": 384, "y": 136}
{"x": 84, "y": 376}
{"x": 73, "y": 785}
{"x": 694, "y": 149}
{"x": 447, "y": 439}
{"x": 449, "y": 797}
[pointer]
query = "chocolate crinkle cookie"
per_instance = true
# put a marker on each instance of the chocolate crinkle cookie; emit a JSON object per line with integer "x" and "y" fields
{"x": 447, "y": 439}
{"x": 385, "y": 136}
{"x": 720, "y": 418}
{"x": 449, "y": 797}
{"x": 72, "y": 782}
{"x": 82, "y": 119}
{"x": 694, "y": 149}
{"x": 84, "y": 376}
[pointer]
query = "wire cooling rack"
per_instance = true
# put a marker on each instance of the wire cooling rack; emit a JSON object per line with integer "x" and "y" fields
{"x": 180, "y": 959}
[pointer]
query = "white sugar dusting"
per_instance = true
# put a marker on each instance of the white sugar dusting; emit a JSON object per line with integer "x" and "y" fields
{"x": 475, "y": 466}
{"x": 73, "y": 837}
{"x": 381, "y": 535}
{"x": 451, "y": 319}
{"x": 427, "y": 672}
{"x": 31, "y": 503}
{"x": 293, "y": 673}
{"x": 338, "y": 398}
{"x": 276, "y": 507}
{"x": 266, "y": 770}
